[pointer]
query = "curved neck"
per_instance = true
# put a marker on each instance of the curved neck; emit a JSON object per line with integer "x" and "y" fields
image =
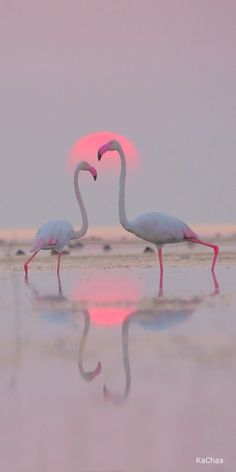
{"x": 120, "y": 397}
{"x": 84, "y": 227}
{"x": 86, "y": 375}
{"x": 122, "y": 211}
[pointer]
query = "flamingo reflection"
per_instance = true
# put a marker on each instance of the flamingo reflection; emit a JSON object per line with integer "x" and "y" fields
{"x": 161, "y": 314}
{"x": 58, "y": 308}
{"x": 54, "y": 307}
{"x": 89, "y": 375}
{"x": 157, "y": 314}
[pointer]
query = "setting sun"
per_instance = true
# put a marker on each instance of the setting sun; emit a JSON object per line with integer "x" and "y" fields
{"x": 86, "y": 148}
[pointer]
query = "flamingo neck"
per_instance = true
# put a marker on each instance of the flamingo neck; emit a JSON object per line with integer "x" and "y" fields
{"x": 122, "y": 211}
{"x": 120, "y": 397}
{"x": 89, "y": 375}
{"x": 125, "y": 349}
{"x": 84, "y": 227}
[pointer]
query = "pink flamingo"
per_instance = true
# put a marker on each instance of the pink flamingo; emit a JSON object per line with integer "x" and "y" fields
{"x": 157, "y": 228}
{"x": 57, "y": 233}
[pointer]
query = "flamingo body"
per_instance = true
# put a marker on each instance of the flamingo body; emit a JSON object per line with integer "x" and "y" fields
{"x": 54, "y": 234}
{"x": 159, "y": 228}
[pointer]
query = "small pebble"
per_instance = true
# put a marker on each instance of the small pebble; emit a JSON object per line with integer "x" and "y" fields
{"x": 64, "y": 252}
{"x": 106, "y": 247}
{"x": 19, "y": 252}
{"x": 148, "y": 249}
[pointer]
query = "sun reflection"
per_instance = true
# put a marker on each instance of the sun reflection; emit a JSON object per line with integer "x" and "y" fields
{"x": 110, "y": 297}
{"x": 159, "y": 314}
{"x": 114, "y": 298}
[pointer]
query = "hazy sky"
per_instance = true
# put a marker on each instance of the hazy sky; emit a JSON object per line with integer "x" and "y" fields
{"x": 160, "y": 72}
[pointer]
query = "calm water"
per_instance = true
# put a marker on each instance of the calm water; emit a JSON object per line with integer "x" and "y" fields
{"x": 101, "y": 373}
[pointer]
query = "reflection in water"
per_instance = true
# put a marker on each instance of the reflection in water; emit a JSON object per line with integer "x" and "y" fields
{"x": 91, "y": 374}
{"x": 162, "y": 315}
{"x": 54, "y": 307}
{"x": 158, "y": 314}
{"x": 110, "y": 296}
{"x": 57, "y": 308}
{"x": 13, "y": 380}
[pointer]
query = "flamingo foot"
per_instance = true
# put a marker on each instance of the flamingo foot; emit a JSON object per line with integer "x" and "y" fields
{"x": 216, "y": 284}
{"x": 115, "y": 398}
{"x": 27, "y": 263}
{"x": 26, "y": 269}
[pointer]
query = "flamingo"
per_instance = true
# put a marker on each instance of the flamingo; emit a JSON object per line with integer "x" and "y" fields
{"x": 55, "y": 234}
{"x": 157, "y": 228}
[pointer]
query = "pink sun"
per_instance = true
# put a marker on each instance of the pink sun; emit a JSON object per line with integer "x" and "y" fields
{"x": 86, "y": 149}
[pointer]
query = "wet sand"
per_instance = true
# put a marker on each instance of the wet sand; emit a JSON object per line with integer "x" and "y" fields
{"x": 102, "y": 373}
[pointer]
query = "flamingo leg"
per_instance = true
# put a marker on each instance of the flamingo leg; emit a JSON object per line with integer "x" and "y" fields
{"x": 215, "y": 248}
{"x": 160, "y": 260}
{"x": 216, "y": 284}
{"x": 59, "y": 284}
{"x": 159, "y": 250}
{"x": 27, "y": 263}
{"x": 58, "y": 262}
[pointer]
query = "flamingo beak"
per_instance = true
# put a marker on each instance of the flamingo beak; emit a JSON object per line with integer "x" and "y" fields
{"x": 103, "y": 149}
{"x": 93, "y": 171}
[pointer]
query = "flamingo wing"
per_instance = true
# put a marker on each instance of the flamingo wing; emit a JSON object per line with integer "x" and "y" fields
{"x": 159, "y": 228}
{"x": 54, "y": 234}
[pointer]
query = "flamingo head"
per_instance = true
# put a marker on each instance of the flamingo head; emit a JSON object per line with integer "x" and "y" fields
{"x": 83, "y": 165}
{"x": 111, "y": 145}
{"x": 115, "y": 398}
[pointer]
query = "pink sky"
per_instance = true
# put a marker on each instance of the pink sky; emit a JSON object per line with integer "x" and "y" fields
{"x": 162, "y": 73}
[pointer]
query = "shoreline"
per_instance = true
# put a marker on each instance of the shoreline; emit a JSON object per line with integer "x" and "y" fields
{"x": 110, "y": 261}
